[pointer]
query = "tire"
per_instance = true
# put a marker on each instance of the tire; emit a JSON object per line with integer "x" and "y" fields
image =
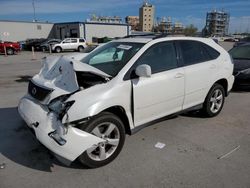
{"x": 214, "y": 101}
{"x": 80, "y": 48}
{"x": 10, "y": 51}
{"x": 44, "y": 49}
{"x": 58, "y": 49}
{"x": 104, "y": 153}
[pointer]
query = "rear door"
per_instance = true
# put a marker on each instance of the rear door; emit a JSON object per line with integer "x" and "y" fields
{"x": 200, "y": 68}
{"x": 162, "y": 93}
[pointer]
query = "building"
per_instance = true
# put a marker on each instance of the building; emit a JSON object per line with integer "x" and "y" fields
{"x": 178, "y": 28}
{"x": 217, "y": 23}
{"x": 21, "y": 31}
{"x": 105, "y": 19}
{"x": 164, "y": 25}
{"x": 133, "y": 21}
{"x": 146, "y": 17}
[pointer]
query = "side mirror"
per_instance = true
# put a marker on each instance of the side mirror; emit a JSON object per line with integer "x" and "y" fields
{"x": 143, "y": 70}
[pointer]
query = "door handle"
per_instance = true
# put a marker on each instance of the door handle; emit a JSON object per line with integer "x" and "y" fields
{"x": 179, "y": 75}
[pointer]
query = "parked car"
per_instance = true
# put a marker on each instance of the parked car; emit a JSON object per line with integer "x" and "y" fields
{"x": 230, "y": 40}
{"x": 242, "y": 41}
{"x": 11, "y": 47}
{"x": 34, "y": 43}
{"x": 82, "y": 110}
{"x": 80, "y": 55}
{"x": 241, "y": 59}
{"x": 70, "y": 44}
{"x": 49, "y": 43}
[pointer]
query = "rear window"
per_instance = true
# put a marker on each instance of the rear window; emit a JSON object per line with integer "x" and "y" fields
{"x": 196, "y": 52}
{"x": 240, "y": 52}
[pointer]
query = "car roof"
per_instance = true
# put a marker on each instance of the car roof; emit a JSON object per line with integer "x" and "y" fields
{"x": 146, "y": 39}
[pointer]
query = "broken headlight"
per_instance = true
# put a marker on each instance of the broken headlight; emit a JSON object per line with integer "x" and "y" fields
{"x": 59, "y": 106}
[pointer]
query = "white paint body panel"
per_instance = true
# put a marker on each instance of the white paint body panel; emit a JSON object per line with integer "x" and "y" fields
{"x": 77, "y": 140}
{"x": 142, "y": 99}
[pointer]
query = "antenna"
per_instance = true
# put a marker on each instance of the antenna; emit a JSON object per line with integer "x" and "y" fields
{"x": 34, "y": 11}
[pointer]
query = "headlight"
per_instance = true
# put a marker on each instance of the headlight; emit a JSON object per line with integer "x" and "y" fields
{"x": 60, "y": 107}
{"x": 246, "y": 71}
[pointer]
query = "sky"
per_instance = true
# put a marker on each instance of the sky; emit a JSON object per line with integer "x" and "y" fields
{"x": 187, "y": 12}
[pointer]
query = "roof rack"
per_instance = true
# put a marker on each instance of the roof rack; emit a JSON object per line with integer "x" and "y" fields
{"x": 152, "y": 35}
{"x": 140, "y": 35}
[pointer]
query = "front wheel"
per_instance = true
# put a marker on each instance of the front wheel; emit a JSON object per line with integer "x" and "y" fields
{"x": 80, "y": 48}
{"x": 110, "y": 128}
{"x": 58, "y": 49}
{"x": 214, "y": 101}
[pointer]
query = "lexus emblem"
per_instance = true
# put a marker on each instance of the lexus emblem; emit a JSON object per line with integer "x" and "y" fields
{"x": 33, "y": 91}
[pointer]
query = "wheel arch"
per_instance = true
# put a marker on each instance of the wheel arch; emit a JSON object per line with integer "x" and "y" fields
{"x": 121, "y": 113}
{"x": 224, "y": 83}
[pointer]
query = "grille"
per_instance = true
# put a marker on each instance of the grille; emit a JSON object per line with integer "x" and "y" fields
{"x": 38, "y": 92}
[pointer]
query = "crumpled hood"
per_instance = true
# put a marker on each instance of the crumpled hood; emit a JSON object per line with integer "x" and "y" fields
{"x": 58, "y": 73}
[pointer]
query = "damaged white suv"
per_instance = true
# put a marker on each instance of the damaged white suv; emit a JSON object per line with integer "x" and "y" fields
{"x": 83, "y": 109}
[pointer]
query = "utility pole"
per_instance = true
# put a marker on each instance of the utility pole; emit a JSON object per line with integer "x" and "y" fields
{"x": 34, "y": 11}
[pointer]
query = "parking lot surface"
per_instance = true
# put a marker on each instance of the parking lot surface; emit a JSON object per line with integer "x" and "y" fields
{"x": 199, "y": 152}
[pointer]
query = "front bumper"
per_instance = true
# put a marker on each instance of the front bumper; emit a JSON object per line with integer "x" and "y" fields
{"x": 44, "y": 123}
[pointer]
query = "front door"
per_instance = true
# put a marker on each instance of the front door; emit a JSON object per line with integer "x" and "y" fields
{"x": 163, "y": 93}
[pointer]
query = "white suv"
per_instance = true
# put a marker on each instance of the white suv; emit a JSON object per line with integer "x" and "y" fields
{"x": 70, "y": 44}
{"x": 84, "y": 109}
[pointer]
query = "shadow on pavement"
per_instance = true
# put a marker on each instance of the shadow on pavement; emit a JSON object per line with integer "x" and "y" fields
{"x": 19, "y": 145}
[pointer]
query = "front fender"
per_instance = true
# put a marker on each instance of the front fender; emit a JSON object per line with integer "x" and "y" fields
{"x": 94, "y": 100}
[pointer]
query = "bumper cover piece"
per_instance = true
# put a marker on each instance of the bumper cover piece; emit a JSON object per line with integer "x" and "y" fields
{"x": 50, "y": 131}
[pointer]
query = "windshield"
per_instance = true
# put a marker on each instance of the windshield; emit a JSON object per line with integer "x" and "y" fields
{"x": 112, "y": 57}
{"x": 240, "y": 52}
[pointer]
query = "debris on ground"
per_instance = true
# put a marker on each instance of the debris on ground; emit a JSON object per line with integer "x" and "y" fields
{"x": 2, "y": 166}
{"x": 160, "y": 145}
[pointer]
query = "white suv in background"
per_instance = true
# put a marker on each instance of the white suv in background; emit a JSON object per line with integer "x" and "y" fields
{"x": 70, "y": 44}
{"x": 83, "y": 109}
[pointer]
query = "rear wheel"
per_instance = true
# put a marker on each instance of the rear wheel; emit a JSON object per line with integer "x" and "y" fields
{"x": 110, "y": 128}
{"x": 214, "y": 101}
{"x": 9, "y": 51}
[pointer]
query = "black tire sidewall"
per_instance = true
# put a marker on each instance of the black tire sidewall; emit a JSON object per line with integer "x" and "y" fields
{"x": 103, "y": 117}
{"x": 10, "y": 51}
{"x": 80, "y": 48}
{"x": 206, "y": 107}
{"x": 60, "y": 49}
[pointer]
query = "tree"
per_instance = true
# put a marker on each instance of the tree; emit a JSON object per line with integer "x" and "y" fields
{"x": 190, "y": 30}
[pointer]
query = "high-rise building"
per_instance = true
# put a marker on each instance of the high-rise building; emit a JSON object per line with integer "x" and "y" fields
{"x": 133, "y": 21}
{"x": 146, "y": 17}
{"x": 217, "y": 23}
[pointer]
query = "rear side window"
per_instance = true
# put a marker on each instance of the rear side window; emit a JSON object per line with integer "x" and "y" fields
{"x": 160, "y": 57}
{"x": 73, "y": 40}
{"x": 196, "y": 52}
{"x": 81, "y": 40}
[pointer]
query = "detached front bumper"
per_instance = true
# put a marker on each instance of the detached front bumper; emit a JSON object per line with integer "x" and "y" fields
{"x": 48, "y": 130}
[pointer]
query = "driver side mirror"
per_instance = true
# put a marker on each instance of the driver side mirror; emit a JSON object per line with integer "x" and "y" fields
{"x": 143, "y": 71}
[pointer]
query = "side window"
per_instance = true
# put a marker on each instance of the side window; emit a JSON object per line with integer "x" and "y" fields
{"x": 196, "y": 52}
{"x": 67, "y": 41}
{"x": 73, "y": 40}
{"x": 213, "y": 54}
{"x": 160, "y": 57}
{"x": 81, "y": 40}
